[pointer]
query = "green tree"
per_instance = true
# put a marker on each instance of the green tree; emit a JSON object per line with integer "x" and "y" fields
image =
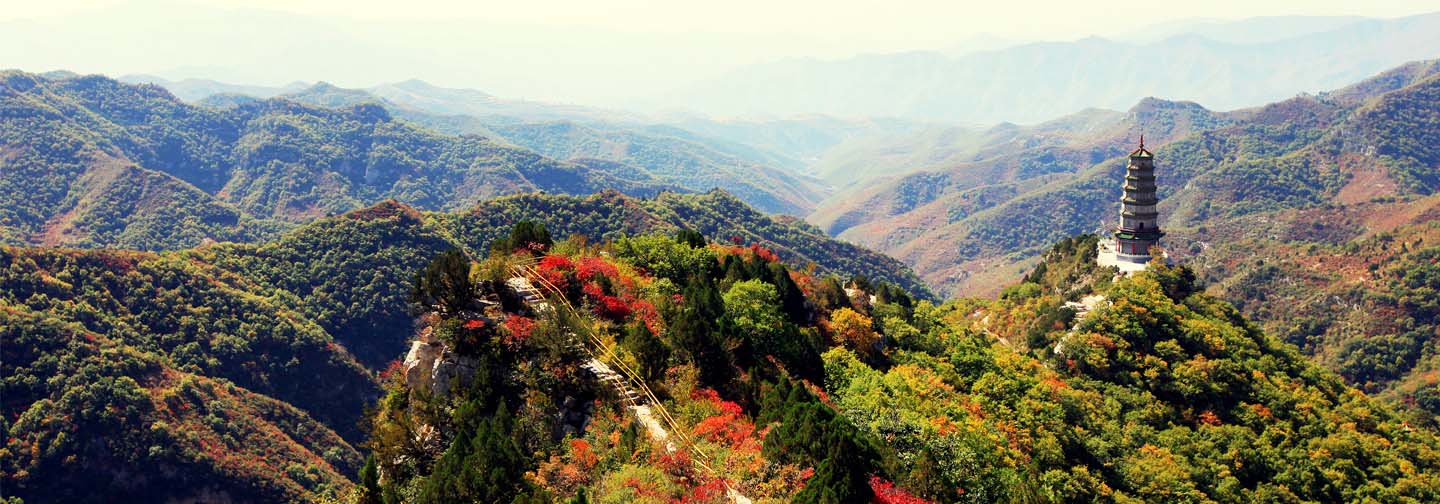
{"x": 370, "y": 492}
{"x": 792, "y": 299}
{"x": 526, "y": 235}
{"x": 649, "y": 350}
{"x": 445, "y": 285}
{"x": 484, "y": 464}
{"x": 699, "y": 327}
{"x": 753, "y": 306}
{"x": 830, "y": 294}
{"x": 690, "y": 237}
{"x": 667, "y": 258}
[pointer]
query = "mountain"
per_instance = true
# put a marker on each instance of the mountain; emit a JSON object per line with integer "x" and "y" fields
{"x": 675, "y": 156}
{"x": 433, "y": 99}
{"x": 388, "y": 241}
{"x": 717, "y": 215}
{"x": 803, "y": 138}
{"x": 1244, "y": 31}
{"x": 1037, "y": 81}
{"x": 789, "y": 143}
{"x": 966, "y": 225}
{"x": 678, "y": 160}
{"x": 1158, "y": 381}
{"x": 1312, "y": 215}
{"x": 971, "y": 171}
{"x": 194, "y": 90}
{"x": 89, "y": 161}
{"x": 771, "y": 386}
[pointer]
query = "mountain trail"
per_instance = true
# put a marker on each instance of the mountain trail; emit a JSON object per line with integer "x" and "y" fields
{"x": 636, "y": 403}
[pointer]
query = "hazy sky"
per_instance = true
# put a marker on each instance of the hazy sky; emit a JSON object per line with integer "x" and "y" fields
{"x": 585, "y": 51}
{"x": 881, "y": 24}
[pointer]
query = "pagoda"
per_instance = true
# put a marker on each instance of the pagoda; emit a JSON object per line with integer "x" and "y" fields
{"x": 1139, "y": 227}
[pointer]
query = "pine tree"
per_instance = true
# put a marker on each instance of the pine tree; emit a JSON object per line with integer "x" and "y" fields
{"x": 370, "y": 483}
{"x": 483, "y": 464}
{"x": 526, "y": 235}
{"x": 699, "y": 329}
{"x": 792, "y": 299}
{"x": 445, "y": 284}
{"x": 649, "y": 351}
{"x": 690, "y": 237}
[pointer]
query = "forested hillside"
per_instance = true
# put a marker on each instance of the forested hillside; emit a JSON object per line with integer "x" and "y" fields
{"x": 677, "y": 157}
{"x": 229, "y": 366}
{"x": 154, "y": 376}
{"x": 282, "y": 340}
{"x": 680, "y": 160}
{"x": 717, "y": 215}
{"x": 940, "y": 174}
{"x": 1354, "y": 290}
{"x": 88, "y": 161}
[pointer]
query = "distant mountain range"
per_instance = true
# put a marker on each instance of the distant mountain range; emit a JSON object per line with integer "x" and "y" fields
{"x": 93, "y": 162}
{"x": 1221, "y": 65}
{"x": 766, "y": 162}
{"x": 790, "y": 142}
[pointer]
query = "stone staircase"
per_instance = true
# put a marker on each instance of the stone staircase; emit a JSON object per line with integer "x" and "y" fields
{"x": 637, "y": 403}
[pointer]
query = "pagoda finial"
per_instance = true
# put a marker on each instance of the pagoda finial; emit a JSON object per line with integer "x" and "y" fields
{"x": 1142, "y": 140}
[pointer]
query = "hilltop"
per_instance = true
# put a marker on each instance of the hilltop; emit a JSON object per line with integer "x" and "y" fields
{"x": 1158, "y": 393}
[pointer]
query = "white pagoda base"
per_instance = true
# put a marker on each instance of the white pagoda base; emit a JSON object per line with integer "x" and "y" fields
{"x": 1126, "y": 263}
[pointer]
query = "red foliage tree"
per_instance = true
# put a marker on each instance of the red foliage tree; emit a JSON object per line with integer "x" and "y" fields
{"x": 517, "y": 330}
{"x": 556, "y": 270}
{"x": 590, "y": 267}
{"x": 887, "y": 493}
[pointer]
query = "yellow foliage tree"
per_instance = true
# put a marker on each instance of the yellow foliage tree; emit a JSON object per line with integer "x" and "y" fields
{"x": 853, "y": 330}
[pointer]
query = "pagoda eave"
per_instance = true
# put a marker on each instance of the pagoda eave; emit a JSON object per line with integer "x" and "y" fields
{"x": 1125, "y": 234}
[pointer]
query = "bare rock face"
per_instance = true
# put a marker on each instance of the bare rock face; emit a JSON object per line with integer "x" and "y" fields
{"x": 419, "y": 363}
{"x": 452, "y": 370}
{"x": 574, "y": 415}
{"x": 432, "y": 366}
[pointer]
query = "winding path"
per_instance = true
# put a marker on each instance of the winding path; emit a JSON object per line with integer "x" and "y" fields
{"x": 643, "y": 403}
